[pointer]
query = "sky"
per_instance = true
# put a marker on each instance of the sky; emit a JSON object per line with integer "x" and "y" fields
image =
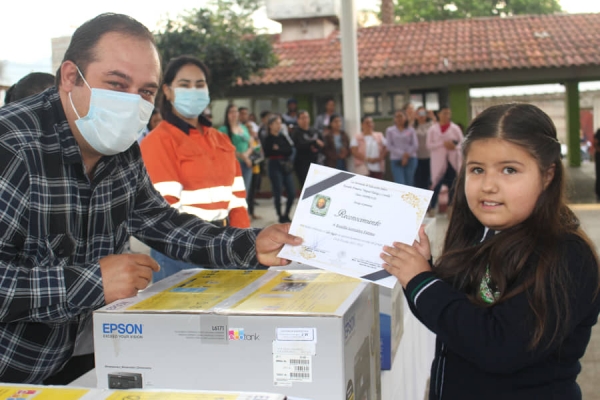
{"x": 27, "y": 26}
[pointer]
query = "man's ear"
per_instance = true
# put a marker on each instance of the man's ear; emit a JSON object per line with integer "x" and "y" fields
{"x": 68, "y": 75}
{"x": 549, "y": 175}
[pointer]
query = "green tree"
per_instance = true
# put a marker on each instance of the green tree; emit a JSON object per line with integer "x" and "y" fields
{"x": 223, "y": 37}
{"x": 433, "y": 10}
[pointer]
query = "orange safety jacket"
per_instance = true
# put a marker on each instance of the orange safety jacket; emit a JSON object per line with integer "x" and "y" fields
{"x": 196, "y": 171}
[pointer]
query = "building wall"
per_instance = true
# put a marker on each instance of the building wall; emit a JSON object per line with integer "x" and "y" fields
{"x": 552, "y": 104}
{"x": 59, "y": 48}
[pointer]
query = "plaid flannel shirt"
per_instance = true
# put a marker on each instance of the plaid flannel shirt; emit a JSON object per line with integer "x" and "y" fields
{"x": 56, "y": 224}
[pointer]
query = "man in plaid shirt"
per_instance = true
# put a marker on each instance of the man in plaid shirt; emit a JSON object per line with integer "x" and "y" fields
{"x": 73, "y": 189}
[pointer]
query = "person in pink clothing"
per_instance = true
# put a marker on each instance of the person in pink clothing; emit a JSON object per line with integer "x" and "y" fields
{"x": 443, "y": 142}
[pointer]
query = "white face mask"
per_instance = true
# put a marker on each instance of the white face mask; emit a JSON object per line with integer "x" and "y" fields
{"x": 114, "y": 121}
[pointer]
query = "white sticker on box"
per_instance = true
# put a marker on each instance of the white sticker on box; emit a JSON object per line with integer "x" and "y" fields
{"x": 288, "y": 369}
{"x": 295, "y": 348}
{"x": 297, "y": 334}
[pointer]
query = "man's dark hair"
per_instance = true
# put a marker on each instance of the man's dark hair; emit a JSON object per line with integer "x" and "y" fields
{"x": 86, "y": 37}
{"x": 264, "y": 113}
{"x": 29, "y": 85}
{"x": 240, "y": 109}
{"x": 171, "y": 71}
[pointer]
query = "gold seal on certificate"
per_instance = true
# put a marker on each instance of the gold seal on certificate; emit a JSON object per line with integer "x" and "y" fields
{"x": 346, "y": 219}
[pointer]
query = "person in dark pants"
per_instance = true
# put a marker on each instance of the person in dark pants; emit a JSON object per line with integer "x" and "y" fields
{"x": 597, "y": 162}
{"x": 448, "y": 180}
{"x": 309, "y": 145}
{"x": 278, "y": 149}
{"x": 422, "y": 124}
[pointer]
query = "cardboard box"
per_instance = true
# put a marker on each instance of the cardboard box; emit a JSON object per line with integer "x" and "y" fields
{"x": 311, "y": 334}
{"x": 185, "y": 395}
{"x": 391, "y": 316}
{"x": 38, "y": 392}
{"x": 10, "y": 391}
{"x": 391, "y": 323}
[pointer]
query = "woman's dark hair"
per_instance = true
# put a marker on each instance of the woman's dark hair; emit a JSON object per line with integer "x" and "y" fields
{"x": 171, "y": 71}
{"x": 364, "y": 118}
{"x": 226, "y": 123}
{"x": 332, "y": 118}
{"x": 154, "y": 112}
{"x": 405, "y": 117}
{"x": 81, "y": 50}
{"x": 524, "y": 257}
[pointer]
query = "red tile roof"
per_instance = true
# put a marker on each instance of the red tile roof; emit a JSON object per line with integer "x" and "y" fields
{"x": 480, "y": 44}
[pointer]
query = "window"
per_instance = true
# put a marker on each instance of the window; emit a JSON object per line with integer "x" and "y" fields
{"x": 371, "y": 104}
{"x": 397, "y": 101}
{"x": 431, "y": 100}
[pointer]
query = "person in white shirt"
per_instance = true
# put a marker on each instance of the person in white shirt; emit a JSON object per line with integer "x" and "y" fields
{"x": 369, "y": 150}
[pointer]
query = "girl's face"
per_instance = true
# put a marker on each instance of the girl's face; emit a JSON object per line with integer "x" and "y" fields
{"x": 233, "y": 115}
{"x": 502, "y": 183}
{"x": 368, "y": 125}
{"x": 336, "y": 124}
{"x": 399, "y": 119}
{"x": 304, "y": 121}
{"x": 275, "y": 127}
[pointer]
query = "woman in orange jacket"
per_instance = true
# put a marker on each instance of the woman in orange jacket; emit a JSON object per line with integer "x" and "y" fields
{"x": 190, "y": 163}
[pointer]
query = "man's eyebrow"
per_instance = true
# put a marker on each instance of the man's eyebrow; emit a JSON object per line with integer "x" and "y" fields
{"x": 129, "y": 79}
{"x": 120, "y": 75}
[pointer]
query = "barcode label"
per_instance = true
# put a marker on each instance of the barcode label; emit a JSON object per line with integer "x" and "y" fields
{"x": 289, "y": 368}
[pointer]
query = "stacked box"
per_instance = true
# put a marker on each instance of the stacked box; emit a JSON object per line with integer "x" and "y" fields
{"x": 311, "y": 334}
{"x": 38, "y": 392}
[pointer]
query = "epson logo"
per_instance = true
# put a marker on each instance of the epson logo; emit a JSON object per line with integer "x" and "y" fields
{"x": 123, "y": 329}
{"x": 349, "y": 327}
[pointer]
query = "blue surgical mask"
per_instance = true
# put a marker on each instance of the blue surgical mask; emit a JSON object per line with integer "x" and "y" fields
{"x": 114, "y": 121}
{"x": 190, "y": 102}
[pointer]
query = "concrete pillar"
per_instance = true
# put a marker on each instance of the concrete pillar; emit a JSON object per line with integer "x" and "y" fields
{"x": 459, "y": 102}
{"x": 572, "y": 122}
{"x": 596, "y": 111}
{"x": 350, "y": 78}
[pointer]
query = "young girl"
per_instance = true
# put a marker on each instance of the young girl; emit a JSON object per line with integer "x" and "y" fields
{"x": 514, "y": 296}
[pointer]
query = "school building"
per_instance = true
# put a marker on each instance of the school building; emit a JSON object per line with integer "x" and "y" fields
{"x": 431, "y": 63}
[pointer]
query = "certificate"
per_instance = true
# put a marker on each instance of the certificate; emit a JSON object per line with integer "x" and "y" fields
{"x": 346, "y": 219}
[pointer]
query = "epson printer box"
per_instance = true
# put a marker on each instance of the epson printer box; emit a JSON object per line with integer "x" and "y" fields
{"x": 310, "y": 334}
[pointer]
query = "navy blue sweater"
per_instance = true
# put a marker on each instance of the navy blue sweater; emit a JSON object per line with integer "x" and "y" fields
{"x": 483, "y": 353}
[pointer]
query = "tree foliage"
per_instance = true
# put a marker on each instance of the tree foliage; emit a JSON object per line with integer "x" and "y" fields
{"x": 434, "y": 10}
{"x": 223, "y": 37}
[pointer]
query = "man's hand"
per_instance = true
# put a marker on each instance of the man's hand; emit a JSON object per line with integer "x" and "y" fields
{"x": 124, "y": 274}
{"x": 270, "y": 241}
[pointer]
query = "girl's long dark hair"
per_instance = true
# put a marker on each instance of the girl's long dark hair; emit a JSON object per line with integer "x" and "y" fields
{"x": 227, "y": 124}
{"x": 526, "y": 257}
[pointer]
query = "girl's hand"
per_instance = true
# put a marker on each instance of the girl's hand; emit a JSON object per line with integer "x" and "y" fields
{"x": 404, "y": 262}
{"x": 422, "y": 245}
